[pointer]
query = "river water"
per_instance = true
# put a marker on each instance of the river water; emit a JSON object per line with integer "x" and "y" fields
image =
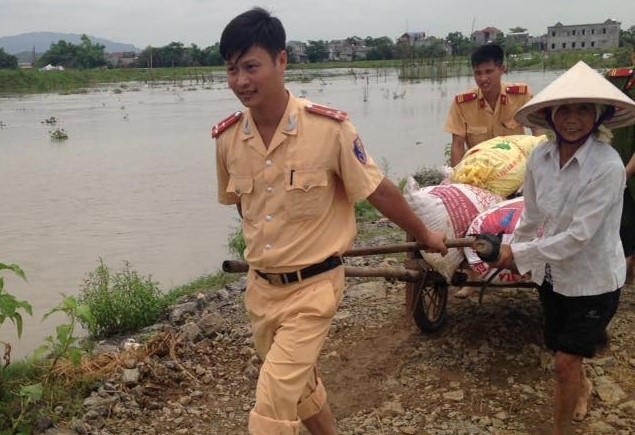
{"x": 135, "y": 180}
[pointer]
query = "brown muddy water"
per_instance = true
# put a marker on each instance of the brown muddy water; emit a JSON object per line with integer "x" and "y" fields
{"x": 135, "y": 180}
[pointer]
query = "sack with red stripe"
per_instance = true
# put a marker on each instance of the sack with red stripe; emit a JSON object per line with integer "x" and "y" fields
{"x": 449, "y": 208}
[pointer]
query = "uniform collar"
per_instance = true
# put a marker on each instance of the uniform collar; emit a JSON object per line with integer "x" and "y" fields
{"x": 288, "y": 123}
{"x": 502, "y": 97}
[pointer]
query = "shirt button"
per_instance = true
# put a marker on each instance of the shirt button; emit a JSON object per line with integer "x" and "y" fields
{"x": 269, "y": 217}
{"x": 268, "y": 163}
{"x": 269, "y": 189}
{"x": 268, "y": 246}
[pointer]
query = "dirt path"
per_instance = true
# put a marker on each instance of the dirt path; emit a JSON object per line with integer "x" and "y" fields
{"x": 485, "y": 372}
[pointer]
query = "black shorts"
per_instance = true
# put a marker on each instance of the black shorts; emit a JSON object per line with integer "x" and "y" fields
{"x": 577, "y": 325}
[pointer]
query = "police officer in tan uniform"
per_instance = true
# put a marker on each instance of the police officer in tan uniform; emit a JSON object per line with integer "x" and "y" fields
{"x": 488, "y": 110}
{"x": 294, "y": 170}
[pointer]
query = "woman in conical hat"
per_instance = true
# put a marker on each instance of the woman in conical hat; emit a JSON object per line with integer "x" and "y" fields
{"x": 568, "y": 238}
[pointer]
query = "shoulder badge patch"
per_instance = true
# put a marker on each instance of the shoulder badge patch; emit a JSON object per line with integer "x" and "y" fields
{"x": 621, "y": 72}
{"x": 464, "y": 98}
{"x": 335, "y": 114}
{"x": 516, "y": 89}
{"x": 226, "y": 123}
{"x": 359, "y": 150}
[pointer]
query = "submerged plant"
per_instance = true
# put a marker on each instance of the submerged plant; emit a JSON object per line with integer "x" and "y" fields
{"x": 58, "y": 134}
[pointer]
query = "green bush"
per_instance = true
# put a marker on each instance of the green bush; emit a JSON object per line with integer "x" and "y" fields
{"x": 236, "y": 243}
{"x": 119, "y": 301}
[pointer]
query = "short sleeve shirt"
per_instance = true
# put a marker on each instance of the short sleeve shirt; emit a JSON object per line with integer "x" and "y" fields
{"x": 472, "y": 117}
{"x": 297, "y": 197}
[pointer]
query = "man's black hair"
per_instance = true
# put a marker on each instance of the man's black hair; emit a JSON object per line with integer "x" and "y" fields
{"x": 486, "y": 53}
{"x": 256, "y": 27}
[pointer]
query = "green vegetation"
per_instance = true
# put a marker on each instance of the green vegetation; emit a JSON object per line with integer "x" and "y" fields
{"x": 7, "y": 60}
{"x": 119, "y": 301}
{"x": 10, "y": 307}
{"x": 58, "y": 134}
{"x": 236, "y": 243}
{"x": 86, "y": 55}
{"x": 52, "y": 384}
{"x": 33, "y": 81}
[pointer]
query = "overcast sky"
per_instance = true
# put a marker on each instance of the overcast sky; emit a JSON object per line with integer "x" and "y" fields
{"x": 159, "y": 22}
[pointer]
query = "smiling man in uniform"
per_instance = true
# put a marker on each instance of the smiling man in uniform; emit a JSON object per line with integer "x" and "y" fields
{"x": 488, "y": 110}
{"x": 294, "y": 170}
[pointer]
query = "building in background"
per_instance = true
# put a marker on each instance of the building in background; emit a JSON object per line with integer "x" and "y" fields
{"x": 297, "y": 53}
{"x": 483, "y": 36}
{"x": 603, "y": 36}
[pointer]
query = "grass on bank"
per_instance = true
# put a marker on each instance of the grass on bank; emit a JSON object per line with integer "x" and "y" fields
{"x": 50, "y": 386}
{"x": 14, "y": 82}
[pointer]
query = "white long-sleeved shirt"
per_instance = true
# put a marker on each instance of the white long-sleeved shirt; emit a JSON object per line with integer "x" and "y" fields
{"x": 572, "y": 219}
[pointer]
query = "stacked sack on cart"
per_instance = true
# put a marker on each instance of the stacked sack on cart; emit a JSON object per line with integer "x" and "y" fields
{"x": 475, "y": 199}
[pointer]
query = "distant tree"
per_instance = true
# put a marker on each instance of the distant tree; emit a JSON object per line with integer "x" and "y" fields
{"x": 403, "y": 50}
{"x": 175, "y": 54}
{"x": 90, "y": 55}
{"x": 60, "y": 53}
{"x": 433, "y": 48}
{"x": 461, "y": 44}
{"x": 380, "y": 48}
{"x": 212, "y": 56}
{"x": 86, "y": 55}
{"x": 7, "y": 60}
{"x": 317, "y": 51}
{"x": 172, "y": 55}
{"x": 517, "y": 30}
{"x": 627, "y": 38}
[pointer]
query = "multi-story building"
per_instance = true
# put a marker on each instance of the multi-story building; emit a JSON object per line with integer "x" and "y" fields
{"x": 604, "y": 35}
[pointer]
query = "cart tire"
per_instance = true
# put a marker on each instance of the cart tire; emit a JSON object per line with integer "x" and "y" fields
{"x": 430, "y": 301}
{"x": 426, "y": 299}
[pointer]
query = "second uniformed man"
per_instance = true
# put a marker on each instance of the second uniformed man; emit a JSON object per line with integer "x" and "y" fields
{"x": 488, "y": 110}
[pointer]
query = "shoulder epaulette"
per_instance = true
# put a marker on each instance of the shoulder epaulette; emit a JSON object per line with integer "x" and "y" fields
{"x": 226, "y": 123}
{"x": 516, "y": 89}
{"x": 464, "y": 98}
{"x": 318, "y": 109}
{"x": 621, "y": 72}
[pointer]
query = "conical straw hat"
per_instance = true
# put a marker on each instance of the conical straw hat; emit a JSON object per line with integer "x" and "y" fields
{"x": 579, "y": 84}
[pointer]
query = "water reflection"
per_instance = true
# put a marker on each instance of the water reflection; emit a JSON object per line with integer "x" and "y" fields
{"x": 136, "y": 179}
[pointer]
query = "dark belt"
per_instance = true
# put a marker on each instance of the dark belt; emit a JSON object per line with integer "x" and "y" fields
{"x": 302, "y": 274}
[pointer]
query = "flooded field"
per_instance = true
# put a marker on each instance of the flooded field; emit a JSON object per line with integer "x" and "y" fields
{"x": 135, "y": 180}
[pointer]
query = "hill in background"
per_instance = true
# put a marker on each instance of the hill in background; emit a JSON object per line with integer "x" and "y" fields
{"x": 25, "y": 42}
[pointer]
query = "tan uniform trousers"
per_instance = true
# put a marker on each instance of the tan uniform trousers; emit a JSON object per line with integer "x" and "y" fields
{"x": 290, "y": 324}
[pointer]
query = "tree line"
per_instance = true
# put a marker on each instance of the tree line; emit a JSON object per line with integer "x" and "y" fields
{"x": 88, "y": 55}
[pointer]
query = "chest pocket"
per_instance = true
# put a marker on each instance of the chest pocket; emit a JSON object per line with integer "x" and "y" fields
{"x": 307, "y": 193}
{"x": 511, "y": 124}
{"x": 476, "y": 135}
{"x": 243, "y": 188}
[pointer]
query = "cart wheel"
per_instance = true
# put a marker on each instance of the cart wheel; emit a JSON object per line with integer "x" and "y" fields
{"x": 426, "y": 299}
{"x": 429, "y": 304}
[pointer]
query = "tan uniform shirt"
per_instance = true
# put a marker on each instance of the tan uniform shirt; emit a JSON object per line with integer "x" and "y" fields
{"x": 297, "y": 196}
{"x": 474, "y": 119}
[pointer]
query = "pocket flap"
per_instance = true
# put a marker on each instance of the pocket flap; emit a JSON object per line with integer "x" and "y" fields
{"x": 476, "y": 129}
{"x": 240, "y": 185}
{"x": 306, "y": 180}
